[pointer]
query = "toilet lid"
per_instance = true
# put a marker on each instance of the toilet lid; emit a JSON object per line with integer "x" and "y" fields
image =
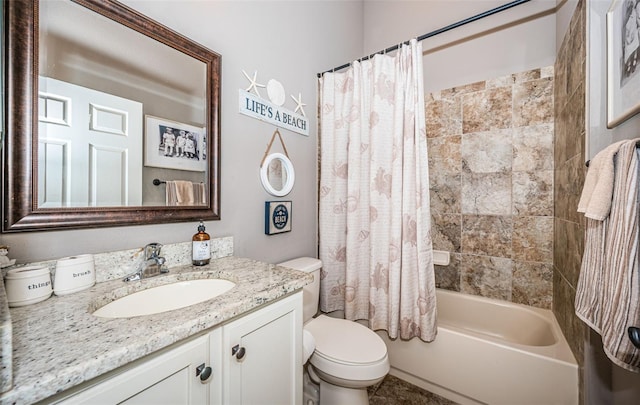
{"x": 346, "y": 341}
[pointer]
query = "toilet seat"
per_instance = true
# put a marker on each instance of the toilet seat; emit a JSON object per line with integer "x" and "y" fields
{"x": 347, "y": 350}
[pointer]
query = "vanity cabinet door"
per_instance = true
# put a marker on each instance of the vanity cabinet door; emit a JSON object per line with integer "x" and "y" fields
{"x": 169, "y": 378}
{"x": 263, "y": 355}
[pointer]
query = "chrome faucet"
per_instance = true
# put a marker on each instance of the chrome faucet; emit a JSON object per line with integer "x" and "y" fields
{"x": 152, "y": 265}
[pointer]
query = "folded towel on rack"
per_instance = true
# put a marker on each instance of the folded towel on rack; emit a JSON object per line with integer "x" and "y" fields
{"x": 595, "y": 200}
{"x": 608, "y": 290}
{"x": 182, "y": 193}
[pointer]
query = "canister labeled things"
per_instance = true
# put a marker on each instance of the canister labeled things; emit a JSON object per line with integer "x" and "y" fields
{"x": 28, "y": 285}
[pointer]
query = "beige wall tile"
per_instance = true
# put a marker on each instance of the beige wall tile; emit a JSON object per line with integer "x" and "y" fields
{"x": 487, "y": 110}
{"x": 488, "y": 235}
{"x": 486, "y": 276}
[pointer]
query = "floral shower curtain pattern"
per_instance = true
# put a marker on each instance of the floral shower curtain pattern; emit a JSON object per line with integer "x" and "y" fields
{"x": 375, "y": 221}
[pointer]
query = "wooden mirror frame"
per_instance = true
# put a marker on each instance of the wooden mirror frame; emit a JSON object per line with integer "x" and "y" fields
{"x": 20, "y": 159}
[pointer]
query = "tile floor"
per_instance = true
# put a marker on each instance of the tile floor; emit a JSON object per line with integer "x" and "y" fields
{"x": 394, "y": 391}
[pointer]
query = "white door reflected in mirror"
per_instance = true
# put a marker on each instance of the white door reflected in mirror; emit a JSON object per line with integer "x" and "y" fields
{"x": 277, "y": 174}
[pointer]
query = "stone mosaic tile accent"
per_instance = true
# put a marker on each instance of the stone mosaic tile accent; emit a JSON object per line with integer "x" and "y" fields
{"x": 491, "y": 163}
{"x": 527, "y": 76}
{"x": 502, "y": 81}
{"x": 464, "y": 89}
{"x": 547, "y": 71}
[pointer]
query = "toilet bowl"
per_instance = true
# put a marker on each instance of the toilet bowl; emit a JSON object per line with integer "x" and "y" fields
{"x": 348, "y": 357}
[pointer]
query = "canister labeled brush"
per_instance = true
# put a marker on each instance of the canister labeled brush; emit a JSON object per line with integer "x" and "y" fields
{"x": 73, "y": 274}
{"x": 28, "y": 285}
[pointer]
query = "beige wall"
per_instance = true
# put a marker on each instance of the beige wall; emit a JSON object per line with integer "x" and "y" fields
{"x": 598, "y": 136}
{"x": 286, "y": 40}
{"x": 564, "y": 12}
{"x": 519, "y": 39}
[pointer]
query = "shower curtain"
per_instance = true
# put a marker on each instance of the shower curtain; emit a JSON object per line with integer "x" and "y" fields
{"x": 374, "y": 214}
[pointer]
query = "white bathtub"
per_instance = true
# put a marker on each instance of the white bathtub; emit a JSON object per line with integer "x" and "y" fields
{"x": 490, "y": 351}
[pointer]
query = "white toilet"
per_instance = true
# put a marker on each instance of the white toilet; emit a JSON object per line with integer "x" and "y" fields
{"x": 348, "y": 357}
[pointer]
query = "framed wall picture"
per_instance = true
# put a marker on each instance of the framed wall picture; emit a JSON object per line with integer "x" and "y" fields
{"x": 277, "y": 217}
{"x": 623, "y": 60}
{"x": 173, "y": 145}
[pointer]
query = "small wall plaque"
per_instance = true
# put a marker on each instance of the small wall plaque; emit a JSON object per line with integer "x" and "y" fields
{"x": 277, "y": 217}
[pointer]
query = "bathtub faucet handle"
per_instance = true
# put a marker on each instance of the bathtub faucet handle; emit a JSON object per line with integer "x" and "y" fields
{"x": 634, "y": 335}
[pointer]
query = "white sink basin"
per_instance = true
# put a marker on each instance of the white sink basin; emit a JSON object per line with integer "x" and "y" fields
{"x": 165, "y": 298}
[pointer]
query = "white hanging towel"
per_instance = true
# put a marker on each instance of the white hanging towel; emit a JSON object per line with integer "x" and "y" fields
{"x": 608, "y": 291}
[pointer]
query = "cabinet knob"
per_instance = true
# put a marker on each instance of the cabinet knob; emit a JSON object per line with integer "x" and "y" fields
{"x": 238, "y": 351}
{"x": 204, "y": 372}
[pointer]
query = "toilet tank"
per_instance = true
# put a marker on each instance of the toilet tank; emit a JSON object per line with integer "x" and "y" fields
{"x": 310, "y": 292}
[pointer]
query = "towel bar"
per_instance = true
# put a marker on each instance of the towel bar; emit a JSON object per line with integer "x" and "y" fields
{"x": 588, "y": 161}
{"x": 634, "y": 335}
{"x": 157, "y": 182}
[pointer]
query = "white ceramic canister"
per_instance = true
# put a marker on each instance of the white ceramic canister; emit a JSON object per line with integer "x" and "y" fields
{"x": 27, "y": 285}
{"x": 73, "y": 274}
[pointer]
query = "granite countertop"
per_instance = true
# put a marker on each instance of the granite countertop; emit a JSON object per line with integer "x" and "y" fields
{"x": 5, "y": 342}
{"x": 58, "y": 343}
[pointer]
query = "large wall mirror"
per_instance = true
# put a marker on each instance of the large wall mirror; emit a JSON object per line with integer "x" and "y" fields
{"x": 105, "y": 110}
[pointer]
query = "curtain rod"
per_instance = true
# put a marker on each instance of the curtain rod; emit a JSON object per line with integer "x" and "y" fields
{"x": 436, "y": 32}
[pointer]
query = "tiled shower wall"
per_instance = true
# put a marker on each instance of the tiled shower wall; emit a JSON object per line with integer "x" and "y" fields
{"x": 570, "y": 171}
{"x": 491, "y": 177}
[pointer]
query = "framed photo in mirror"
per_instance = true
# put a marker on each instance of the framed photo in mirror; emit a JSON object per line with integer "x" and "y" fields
{"x": 174, "y": 145}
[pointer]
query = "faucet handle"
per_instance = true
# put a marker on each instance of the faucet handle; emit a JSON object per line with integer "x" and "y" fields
{"x": 152, "y": 250}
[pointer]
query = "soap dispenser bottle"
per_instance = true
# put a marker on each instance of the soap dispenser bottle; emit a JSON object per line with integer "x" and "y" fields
{"x": 201, "y": 251}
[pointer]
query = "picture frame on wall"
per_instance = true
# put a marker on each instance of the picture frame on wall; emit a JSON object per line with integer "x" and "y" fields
{"x": 277, "y": 217}
{"x": 623, "y": 61}
{"x": 174, "y": 145}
